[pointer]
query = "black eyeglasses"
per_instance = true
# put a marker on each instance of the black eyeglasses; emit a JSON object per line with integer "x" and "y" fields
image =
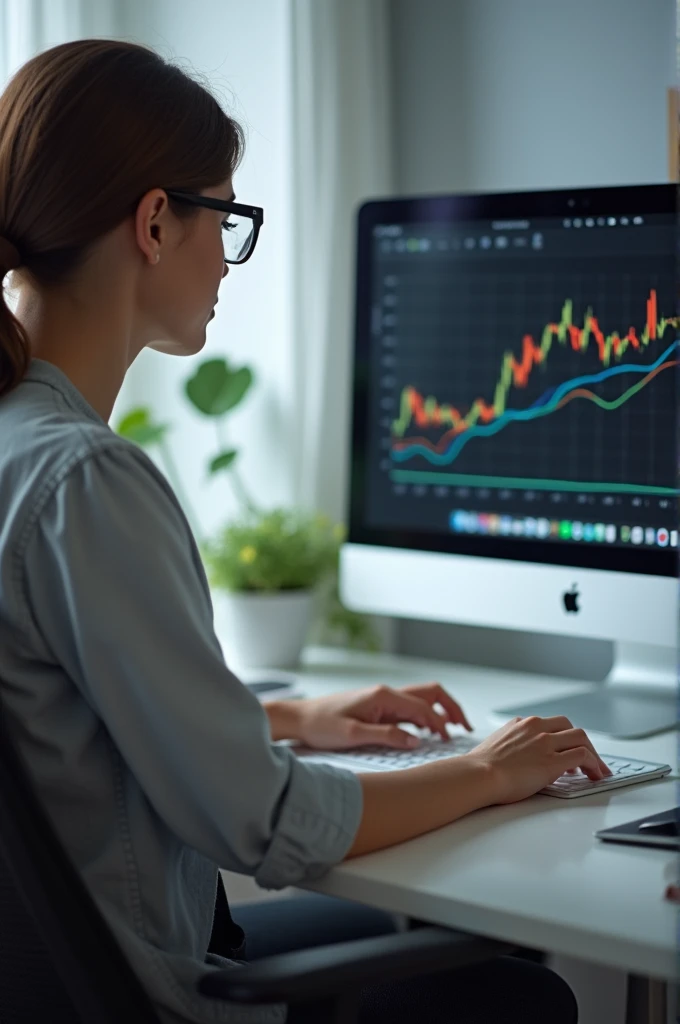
{"x": 240, "y": 230}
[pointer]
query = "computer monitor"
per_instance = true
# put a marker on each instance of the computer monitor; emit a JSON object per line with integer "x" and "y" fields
{"x": 514, "y": 454}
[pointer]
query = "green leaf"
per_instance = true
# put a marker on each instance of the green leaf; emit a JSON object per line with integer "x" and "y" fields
{"x": 139, "y": 428}
{"x": 239, "y": 386}
{"x": 215, "y": 388}
{"x": 222, "y": 461}
{"x": 150, "y": 435}
{"x": 135, "y": 418}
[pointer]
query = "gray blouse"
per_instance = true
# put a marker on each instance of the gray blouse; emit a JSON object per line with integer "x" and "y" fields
{"x": 154, "y": 762}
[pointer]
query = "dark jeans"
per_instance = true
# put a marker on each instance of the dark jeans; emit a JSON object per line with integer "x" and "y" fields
{"x": 503, "y": 991}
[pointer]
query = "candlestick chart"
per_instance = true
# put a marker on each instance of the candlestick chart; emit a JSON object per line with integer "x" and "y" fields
{"x": 572, "y": 397}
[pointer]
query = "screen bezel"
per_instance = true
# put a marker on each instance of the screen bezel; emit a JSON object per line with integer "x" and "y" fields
{"x": 619, "y": 200}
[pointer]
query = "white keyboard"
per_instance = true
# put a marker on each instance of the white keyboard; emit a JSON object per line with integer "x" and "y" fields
{"x": 380, "y": 759}
{"x": 625, "y": 770}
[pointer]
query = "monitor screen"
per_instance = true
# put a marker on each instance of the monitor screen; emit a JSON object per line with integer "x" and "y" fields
{"x": 515, "y": 377}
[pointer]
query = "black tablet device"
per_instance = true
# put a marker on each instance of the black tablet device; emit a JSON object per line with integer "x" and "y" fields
{"x": 661, "y": 829}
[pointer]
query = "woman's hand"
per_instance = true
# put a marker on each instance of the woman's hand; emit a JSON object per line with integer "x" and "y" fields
{"x": 360, "y": 717}
{"x": 527, "y": 754}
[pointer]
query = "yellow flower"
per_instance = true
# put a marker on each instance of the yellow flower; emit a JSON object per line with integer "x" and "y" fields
{"x": 339, "y": 533}
{"x": 248, "y": 554}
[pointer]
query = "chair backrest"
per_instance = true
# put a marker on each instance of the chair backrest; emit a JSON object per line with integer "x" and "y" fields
{"x": 59, "y": 962}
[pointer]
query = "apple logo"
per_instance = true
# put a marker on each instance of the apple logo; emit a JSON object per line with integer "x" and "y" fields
{"x": 570, "y": 598}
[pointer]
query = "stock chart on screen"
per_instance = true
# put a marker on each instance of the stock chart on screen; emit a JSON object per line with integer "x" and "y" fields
{"x": 523, "y": 379}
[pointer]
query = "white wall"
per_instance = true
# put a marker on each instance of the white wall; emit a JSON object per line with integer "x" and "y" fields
{"x": 521, "y": 94}
{"x": 27, "y": 28}
{"x": 526, "y": 94}
{"x": 241, "y": 49}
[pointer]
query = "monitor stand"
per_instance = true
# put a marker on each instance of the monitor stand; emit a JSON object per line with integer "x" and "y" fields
{"x": 638, "y": 698}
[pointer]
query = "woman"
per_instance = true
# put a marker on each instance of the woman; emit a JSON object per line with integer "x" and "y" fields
{"x": 154, "y": 762}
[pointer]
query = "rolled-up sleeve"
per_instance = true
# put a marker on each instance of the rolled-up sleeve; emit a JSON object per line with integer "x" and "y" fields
{"x": 116, "y": 590}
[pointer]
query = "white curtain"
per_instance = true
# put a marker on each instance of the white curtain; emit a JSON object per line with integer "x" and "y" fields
{"x": 342, "y": 154}
{"x": 29, "y": 26}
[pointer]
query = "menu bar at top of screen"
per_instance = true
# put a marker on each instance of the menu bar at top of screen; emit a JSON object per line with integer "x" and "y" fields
{"x": 565, "y": 236}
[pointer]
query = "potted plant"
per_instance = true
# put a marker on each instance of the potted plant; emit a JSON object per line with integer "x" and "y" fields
{"x": 265, "y": 570}
{"x": 268, "y": 567}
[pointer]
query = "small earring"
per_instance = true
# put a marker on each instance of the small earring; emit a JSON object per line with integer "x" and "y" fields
{"x": 158, "y": 256}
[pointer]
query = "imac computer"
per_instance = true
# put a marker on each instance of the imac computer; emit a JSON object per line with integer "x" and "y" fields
{"x": 514, "y": 456}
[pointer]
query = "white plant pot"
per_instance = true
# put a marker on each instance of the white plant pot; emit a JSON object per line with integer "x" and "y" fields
{"x": 262, "y": 630}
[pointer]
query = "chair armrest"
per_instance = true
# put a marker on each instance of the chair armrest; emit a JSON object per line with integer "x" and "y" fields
{"x": 311, "y": 973}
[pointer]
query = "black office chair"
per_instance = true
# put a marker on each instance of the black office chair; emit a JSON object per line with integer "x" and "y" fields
{"x": 59, "y": 962}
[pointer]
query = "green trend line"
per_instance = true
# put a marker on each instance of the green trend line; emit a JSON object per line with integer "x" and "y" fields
{"x": 416, "y": 476}
{"x": 615, "y": 402}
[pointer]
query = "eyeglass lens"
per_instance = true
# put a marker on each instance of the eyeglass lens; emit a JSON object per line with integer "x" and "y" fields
{"x": 238, "y": 233}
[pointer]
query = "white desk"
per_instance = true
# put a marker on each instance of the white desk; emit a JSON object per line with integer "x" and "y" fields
{"x": 530, "y": 873}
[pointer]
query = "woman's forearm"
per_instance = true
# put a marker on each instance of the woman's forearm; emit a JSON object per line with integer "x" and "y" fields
{"x": 399, "y": 805}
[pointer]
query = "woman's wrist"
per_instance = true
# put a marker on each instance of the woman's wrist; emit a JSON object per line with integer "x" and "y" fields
{"x": 488, "y": 779}
{"x": 284, "y": 718}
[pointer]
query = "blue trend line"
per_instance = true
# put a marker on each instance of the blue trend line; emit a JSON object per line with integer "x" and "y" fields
{"x": 512, "y": 415}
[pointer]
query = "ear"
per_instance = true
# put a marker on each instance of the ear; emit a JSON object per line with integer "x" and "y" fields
{"x": 151, "y": 223}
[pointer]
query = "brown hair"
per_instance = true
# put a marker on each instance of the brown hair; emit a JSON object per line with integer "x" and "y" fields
{"x": 86, "y": 128}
